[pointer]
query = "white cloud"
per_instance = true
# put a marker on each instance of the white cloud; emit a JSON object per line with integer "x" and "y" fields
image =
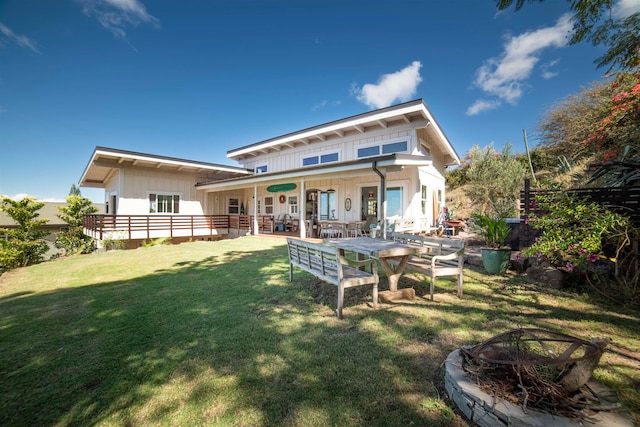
{"x": 9, "y": 36}
{"x": 482, "y": 105}
{"x": 325, "y": 103}
{"x": 625, "y": 8}
{"x": 320, "y": 105}
{"x": 116, "y": 15}
{"x": 505, "y": 75}
{"x": 401, "y": 85}
{"x": 20, "y": 196}
{"x": 547, "y": 73}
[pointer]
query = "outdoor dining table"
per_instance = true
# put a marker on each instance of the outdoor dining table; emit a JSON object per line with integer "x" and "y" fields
{"x": 384, "y": 251}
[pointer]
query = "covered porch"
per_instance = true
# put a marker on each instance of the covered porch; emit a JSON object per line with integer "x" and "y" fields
{"x": 333, "y": 200}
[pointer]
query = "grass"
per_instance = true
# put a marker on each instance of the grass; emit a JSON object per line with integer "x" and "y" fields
{"x": 214, "y": 333}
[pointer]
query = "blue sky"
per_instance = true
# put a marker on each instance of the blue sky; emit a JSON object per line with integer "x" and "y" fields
{"x": 194, "y": 79}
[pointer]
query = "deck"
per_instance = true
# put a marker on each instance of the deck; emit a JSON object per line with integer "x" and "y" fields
{"x": 140, "y": 227}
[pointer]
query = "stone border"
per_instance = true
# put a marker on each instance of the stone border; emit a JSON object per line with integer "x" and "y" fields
{"x": 485, "y": 411}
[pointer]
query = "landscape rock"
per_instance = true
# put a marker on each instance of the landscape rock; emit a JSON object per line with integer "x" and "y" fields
{"x": 543, "y": 275}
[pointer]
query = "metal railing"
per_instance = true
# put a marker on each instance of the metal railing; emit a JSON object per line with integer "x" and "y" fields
{"x": 127, "y": 227}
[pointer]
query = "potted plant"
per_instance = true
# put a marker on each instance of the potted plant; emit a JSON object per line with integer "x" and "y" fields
{"x": 494, "y": 230}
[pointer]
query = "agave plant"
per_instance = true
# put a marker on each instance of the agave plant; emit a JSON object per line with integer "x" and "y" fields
{"x": 621, "y": 172}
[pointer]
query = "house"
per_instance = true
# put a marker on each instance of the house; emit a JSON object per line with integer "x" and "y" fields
{"x": 53, "y": 226}
{"x": 388, "y": 163}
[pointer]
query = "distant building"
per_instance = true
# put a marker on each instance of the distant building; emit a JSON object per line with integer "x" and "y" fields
{"x": 49, "y": 211}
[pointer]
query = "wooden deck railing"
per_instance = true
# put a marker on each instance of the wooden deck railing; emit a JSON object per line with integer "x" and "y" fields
{"x": 127, "y": 227}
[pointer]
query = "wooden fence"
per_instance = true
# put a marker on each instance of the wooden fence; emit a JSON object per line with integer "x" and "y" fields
{"x": 625, "y": 201}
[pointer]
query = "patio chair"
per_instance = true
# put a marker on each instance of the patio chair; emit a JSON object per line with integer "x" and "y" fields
{"x": 356, "y": 229}
{"x": 352, "y": 229}
{"x": 442, "y": 224}
{"x": 362, "y": 229}
{"x": 283, "y": 222}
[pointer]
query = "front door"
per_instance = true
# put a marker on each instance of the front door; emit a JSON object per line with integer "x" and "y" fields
{"x": 311, "y": 211}
{"x": 369, "y": 205}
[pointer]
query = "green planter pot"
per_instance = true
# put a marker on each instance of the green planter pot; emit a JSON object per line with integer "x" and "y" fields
{"x": 496, "y": 261}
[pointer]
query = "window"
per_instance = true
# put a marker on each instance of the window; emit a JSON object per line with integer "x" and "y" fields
{"x": 394, "y": 147}
{"x": 321, "y": 158}
{"x": 293, "y": 205}
{"x": 368, "y": 151}
{"x": 259, "y": 207}
{"x": 372, "y": 207}
{"x": 328, "y": 158}
{"x": 424, "y": 148}
{"x": 394, "y": 201}
{"x": 268, "y": 205}
{"x": 327, "y": 206}
{"x": 424, "y": 201}
{"x": 234, "y": 206}
{"x": 387, "y": 148}
{"x": 308, "y": 161}
{"x": 164, "y": 203}
{"x": 261, "y": 169}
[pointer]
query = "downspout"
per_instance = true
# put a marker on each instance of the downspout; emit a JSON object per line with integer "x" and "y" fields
{"x": 256, "y": 230}
{"x": 302, "y": 211}
{"x": 383, "y": 202}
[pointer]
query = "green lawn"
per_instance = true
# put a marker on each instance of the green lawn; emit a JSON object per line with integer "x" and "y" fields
{"x": 214, "y": 334}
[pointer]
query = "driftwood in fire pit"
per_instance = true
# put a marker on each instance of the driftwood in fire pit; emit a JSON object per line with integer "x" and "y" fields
{"x": 535, "y": 367}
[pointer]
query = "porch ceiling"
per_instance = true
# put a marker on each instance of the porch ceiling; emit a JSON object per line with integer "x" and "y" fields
{"x": 387, "y": 163}
{"x": 105, "y": 162}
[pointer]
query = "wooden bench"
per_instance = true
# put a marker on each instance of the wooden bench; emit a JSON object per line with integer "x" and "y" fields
{"x": 401, "y": 225}
{"x": 326, "y": 263}
{"x": 444, "y": 258}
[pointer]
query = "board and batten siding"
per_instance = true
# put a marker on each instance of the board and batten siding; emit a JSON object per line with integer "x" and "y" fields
{"x": 138, "y": 184}
{"x": 347, "y": 147}
{"x": 112, "y": 186}
{"x": 217, "y": 203}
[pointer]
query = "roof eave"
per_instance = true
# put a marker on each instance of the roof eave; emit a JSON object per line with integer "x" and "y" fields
{"x": 114, "y": 158}
{"x": 338, "y": 126}
{"x": 381, "y": 162}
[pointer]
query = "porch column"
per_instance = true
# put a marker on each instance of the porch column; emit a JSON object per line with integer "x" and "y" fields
{"x": 255, "y": 210}
{"x": 382, "y": 212}
{"x": 302, "y": 211}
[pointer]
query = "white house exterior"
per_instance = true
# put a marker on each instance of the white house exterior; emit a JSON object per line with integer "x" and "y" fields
{"x": 387, "y": 163}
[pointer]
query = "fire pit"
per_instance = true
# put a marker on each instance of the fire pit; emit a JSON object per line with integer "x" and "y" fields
{"x": 532, "y": 377}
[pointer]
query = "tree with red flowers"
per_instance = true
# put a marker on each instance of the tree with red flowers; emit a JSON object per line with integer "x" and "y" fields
{"x": 621, "y": 125}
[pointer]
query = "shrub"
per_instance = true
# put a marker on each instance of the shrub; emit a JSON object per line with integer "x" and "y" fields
{"x": 577, "y": 234}
{"x": 24, "y": 245}
{"x": 495, "y": 179}
{"x": 156, "y": 242}
{"x": 74, "y": 240}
